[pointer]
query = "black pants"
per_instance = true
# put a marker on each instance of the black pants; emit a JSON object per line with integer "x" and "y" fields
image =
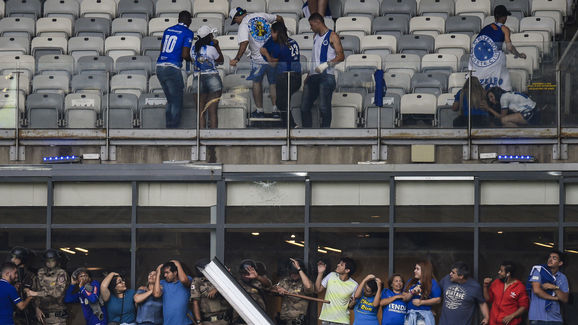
{"x": 282, "y": 95}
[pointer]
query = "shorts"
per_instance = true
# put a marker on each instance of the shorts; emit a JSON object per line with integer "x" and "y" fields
{"x": 211, "y": 83}
{"x": 529, "y": 114}
{"x": 258, "y": 72}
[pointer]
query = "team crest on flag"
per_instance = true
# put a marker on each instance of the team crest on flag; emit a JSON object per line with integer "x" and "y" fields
{"x": 485, "y": 51}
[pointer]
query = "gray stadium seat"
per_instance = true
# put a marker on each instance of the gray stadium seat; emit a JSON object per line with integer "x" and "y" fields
{"x": 366, "y": 8}
{"x": 45, "y": 45}
{"x": 129, "y": 26}
{"x": 189, "y": 112}
{"x": 142, "y": 65}
{"x": 428, "y": 83}
{"x": 445, "y": 114}
{"x": 230, "y": 29}
{"x": 171, "y": 8}
{"x": 62, "y": 8}
{"x": 211, "y": 8}
{"x": 155, "y": 85}
{"x": 23, "y": 8}
{"x": 129, "y": 84}
{"x": 54, "y": 27}
{"x": 98, "y": 8}
{"x": 416, "y": 44}
{"x": 518, "y": 8}
{"x": 407, "y": 8}
{"x": 215, "y": 22}
{"x": 44, "y": 111}
{"x": 350, "y": 44}
{"x": 92, "y": 26}
{"x": 250, "y": 5}
{"x": 391, "y": 25}
{"x": 95, "y": 65}
{"x": 469, "y": 25}
{"x": 14, "y": 45}
{"x": 11, "y": 104}
{"x": 291, "y": 8}
{"x": 440, "y": 8}
{"x": 18, "y": 26}
{"x": 17, "y": 63}
{"x": 152, "y": 108}
{"x": 406, "y": 63}
{"x": 80, "y": 46}
{"x": 151, "y": 46}
{"x": 51, "y": 83}
{"x": 397, "y": 81}
{"x": 389, "y": 111}
{"x": 82, "y": 110}
{"x": 122, "y": 110}
{"x": 93, "y": 83}
{"x": 136, "y": 9}
{"x": 58, "y": 64}
{"x": 355, "y": 81}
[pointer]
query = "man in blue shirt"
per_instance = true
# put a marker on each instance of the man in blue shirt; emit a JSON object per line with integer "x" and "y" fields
{"x": 9, "y": 297}
{"x": 175, "y": 46}
{"x": 547, "y": 295}
{"x": 175, "y": 291}
{"x": 86, "y": 291}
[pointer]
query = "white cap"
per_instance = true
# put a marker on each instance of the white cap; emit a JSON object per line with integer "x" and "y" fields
{"x": 205, "y": 30}
{"x": 232, "y": 13}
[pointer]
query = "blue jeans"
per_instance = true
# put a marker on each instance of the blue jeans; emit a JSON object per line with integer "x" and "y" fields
{"x": 173, "y": 85}
{"x": 322, "y": 85}
{"x": 543, "y": 322}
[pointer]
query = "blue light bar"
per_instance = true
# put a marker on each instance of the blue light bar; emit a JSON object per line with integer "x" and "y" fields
{"x": 61, "y": 159}
{"x": 516, "y": 158}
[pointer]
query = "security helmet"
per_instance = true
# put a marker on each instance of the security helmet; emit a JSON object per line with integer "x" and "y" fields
{"x": 246, "y": 263}
{"x": 21, "y": 253}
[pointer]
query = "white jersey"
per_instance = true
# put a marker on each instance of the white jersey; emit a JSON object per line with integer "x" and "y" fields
{"x": 205, "y": 60}
{"x": 318, "y": 45}
{"x": 516, "y": 102}
{"x": 256, "y": 28}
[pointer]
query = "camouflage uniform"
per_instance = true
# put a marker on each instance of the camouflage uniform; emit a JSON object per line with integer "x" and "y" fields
{"x": 51, "y": 289}
{"x": 26, "y": 279}
{"x": 216, "y": 311}
{"x": 255, "y": 290}
{"x": 293, "y": 309}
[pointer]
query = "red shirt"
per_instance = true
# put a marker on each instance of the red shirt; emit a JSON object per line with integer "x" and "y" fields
{"x": 506, "y": 302}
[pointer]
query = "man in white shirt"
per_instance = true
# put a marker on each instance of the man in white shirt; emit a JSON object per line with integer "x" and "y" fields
{"x": 340, "y": 288}
{"x": 254, "y": 30}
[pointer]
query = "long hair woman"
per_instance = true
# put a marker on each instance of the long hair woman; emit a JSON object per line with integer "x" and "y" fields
{"x": 480, "y": 116}
{"x": 283, "y": 52}
{"x": 425, "y": 292}
{"x": 206, "y": 55}
{"x": 119, "y": 300}
{"x": 150, "y": 309}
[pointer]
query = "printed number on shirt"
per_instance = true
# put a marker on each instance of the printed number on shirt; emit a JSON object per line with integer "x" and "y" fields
{"x": 169, "y": 44}
{"x": 294, "y": 50}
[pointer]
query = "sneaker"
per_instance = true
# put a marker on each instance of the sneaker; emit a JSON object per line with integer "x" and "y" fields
{"x": 258, "y": 114}
{"x": 276, "y": 114}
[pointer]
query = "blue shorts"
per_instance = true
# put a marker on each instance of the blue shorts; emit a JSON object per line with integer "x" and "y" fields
{"x": 211, "y": 83}
{"x": 258, "y": 72}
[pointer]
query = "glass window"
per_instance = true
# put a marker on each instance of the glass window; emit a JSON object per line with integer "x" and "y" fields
{"x": 571, "y": 209}
{"x": 96, "y": 215}
{"x": 571, "y": 250}
{"x": 34, "y": 239}
{"x": 14, "y": 215}
{"x": 199, "y": 215}
{"x": 23, "y": 203}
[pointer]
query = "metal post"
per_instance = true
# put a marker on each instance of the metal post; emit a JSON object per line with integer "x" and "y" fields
{"x": 477, "y": 197}
{"x": 133, "y": 248}
{"x": 198, "y": 133}
{"x": 470, "y": 114}
{"x": 107, "y": 114}
{"x": 288, "y": 113}
{"x": 558, "y": 114}
{"x": 307, "y": 220}
{"x": 49, "y": 205}
{"x": 391, "y": 225}
{"x": 379, "y": 108}
{"x": 17, "y": 117}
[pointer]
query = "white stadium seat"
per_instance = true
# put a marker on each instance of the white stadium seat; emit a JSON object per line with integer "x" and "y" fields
{"x": 98, "y": 8}
{"x": 211, "y": 8}
{"x": 426, "y": 25}
{"x": 345, "y": 108}
{"x": 158, "y": 25}
{"x": 117, "y": 46}
{"x": 54, "y": 26}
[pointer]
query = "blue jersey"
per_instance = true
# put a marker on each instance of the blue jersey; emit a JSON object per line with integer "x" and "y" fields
{"x": 288, "y": 56}
{"x": 495, "y": 33}
{"x": 174, "y": 39}
{"x": 8, "y": 299}
{"x": 365, "y": 312}
{"x": 87, "y": 295}
{"x": 394, "y": 313}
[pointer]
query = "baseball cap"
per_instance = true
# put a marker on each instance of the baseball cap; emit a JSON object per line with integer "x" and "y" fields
{"x": 501, "y": 11}
{"x": 205, "y": 30}
{"x": 236, "y": 12}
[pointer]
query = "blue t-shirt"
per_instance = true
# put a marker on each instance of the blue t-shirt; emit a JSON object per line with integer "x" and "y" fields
{"x": 289, "y": 56}
{"x": 494, "y": 32}
{"x": 121, "y": 310}
{"x": 174, "y": 39}
{"x": 364, "y": 311}
{"x": 175, "y": 300}
{"x": 436, "y": 292}
{"x": 150, "y": 310}
{"x": 8, "y": 299}
{"x": 537, "y": 310}
{"x": 87, "y": 295}
{"x": 394, "y": 313}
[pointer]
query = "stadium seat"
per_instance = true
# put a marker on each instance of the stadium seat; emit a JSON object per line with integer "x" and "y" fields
{"x": 426, "y": 25}
{"x": 363, "y": 61}
{"x": 92, "y": 26}
{"x": 358, "y": 26}
{"x": 350, "y": 44}
{"x": 54, "y": 27}
{"x": 291, "y": 24}
{"x": 229, "y": 45}
{"x": 56, "y": 64}
{"x": 468, "y": 25}
{"x": 152, "y": 107}
{"x": 456, "y": 81}
{"x": 46, "y": 45}
{"x": 214, "y": 22}
{"x": 291, "y": 8}
{"x": 407, "y": 8}
{"x": 128, "y": 26}
{"x": 158, "y": 25}
{"x": 18, "y": 26}
{"x": 11, "y": 107}
{"x": 2, "y": 8}
{"x": 122, "y": 110}
{"x": 518, "y": 63}
{"x": 404, "y": 63}
{"x": 82, "y": 110}
{"x": 237, "y": 81}
{"x": 418, "y": 104}
{"x": 336, "y": 8}
{"x": 390, "y": 25}
{"x": 539, "y": 24}
{"x": 436, "y": 8}
{"x": 85, "y": 46}
{"x": 456, "y": 44}
{"x": 211, "y": 8}
{"x": 428, "y": 83}
{"x": 355, "y": 81}
{"x": 51, "y": 83}
{"x": 142, "y": 65}
{"x": 90, "y": 83}
{"x": 233, "y": 110}
{"x": 397, "y": 81}
{"x": 230, "y": 29}
{"x": 381, "y": 45}
{"x": 95, "y": 64}
{"x": 439, "y": 62}
{"x": 14, "y": 45}
{"x": 155, "y": 85}
{"x": 62, "y": 8}
{"x": 171, "y": 8}
{"x": 389, "y": 111}
{"x": 513, "y": 23}
{"x": 44, "y": 110}
{"x": 98, "y": 9}
{"x": 539, "y": 5}
{"x": 117, "y": 46}
{"x": 17, "y": 63}
{"x": 479, "y": 8}
{"x": 519, "y": 79}
{"x": 363, "y": 8}
{"x": 128, "y": 84}
{"x": 445, "y": 114}
{"x": 136, "y": 9}
{"x": 250, "y": 5}
{"x": 151, "y": 46}
{"x": 518, "y": 8}
{"x": 528, "y": 39}
{"x": 23, "y": 8}
{"x": 345, "y": 109}
{"x": 416, "y": 44}
{"x": 11, "y": 82}
{"x": 304, "y": 26}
